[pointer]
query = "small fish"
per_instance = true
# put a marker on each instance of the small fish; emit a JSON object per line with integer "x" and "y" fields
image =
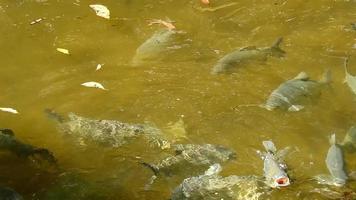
{"x": 9, "y": 194}
{"x": 291, "y": 94}
{"x": 10, "y": 143}
{"x": 64, "y": 51}
{"x": 274, "y": 167}
{"x": 247, "y": 54}
{"x": 93, "y": 84}
{"x": 101, "y": 10}
{"x": 349, "y": 79}
{"x": 10, "y": 110}
{"x": 349, "y": 142}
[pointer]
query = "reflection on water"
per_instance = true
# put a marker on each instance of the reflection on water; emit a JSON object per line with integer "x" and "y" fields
{"x": 217, "y": 109}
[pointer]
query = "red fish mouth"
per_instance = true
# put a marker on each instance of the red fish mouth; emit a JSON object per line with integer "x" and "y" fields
{"x": 284, "y": 181}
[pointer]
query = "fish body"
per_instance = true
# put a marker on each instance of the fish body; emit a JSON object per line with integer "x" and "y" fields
{"x": 109, "y": 132}
{"x": 349, "y": 142}
{"x": 292, "y": 93}
{"x": 273, "y": 166}
{"x": 9, "y": 194}
{"x": 158, "y": 46}
{"x": 247, "y": 54}
{"x": 195, "y": 154}
{"x": 350, "y": 79}
{"x": 10, "y": 143}
{"x": 335, "y": 163}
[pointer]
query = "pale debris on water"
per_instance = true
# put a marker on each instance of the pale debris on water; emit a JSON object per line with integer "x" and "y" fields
{"x": 98, "y": 67}
{"x": 64, "y": 51}
{"x": 10, "y": 110}
{"x": 101, "y": 10}
{"x": 93, "y": 85}
{"x": 205, "y": 1}
{"x": 36, "y": 21}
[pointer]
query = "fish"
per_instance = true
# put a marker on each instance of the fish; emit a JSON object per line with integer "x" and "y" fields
{"x": 159, "y": 46}
{"x": 335, "y": 163}
{"x": 349, "y": 142}
{"x": 9, "y": 194}
{"x": 111, "y": 133}
{"x": 291, "y": 94}
{"x": 9, "y": 142}
{"x": 245, "y": 54}
{"x": 212, "y": 186}
{"x": 273, "y": 165}
{"x": 349, "y": 79}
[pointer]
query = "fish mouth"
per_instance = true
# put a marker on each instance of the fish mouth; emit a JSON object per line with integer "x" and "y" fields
{"x": 282, "y": 181}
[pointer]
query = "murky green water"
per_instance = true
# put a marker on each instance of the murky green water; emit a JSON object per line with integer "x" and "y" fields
{"x": 34, "y": 76}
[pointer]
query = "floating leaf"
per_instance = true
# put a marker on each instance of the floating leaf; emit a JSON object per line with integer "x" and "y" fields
{"x": 98, "y": 67}
{"x": 65, "y": 51}
{"x": 10, "y": 110}
{"x": 101, "y": 11}
{"x": 93, "y": 85}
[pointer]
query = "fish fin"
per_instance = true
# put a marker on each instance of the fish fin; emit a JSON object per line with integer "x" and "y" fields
{"x": 248, "y": 48}
{"x": 302, "y": 76}
{"x": 326, "y": 77}
{"x": 283, "y": 153}
{"x": 154, "y": 169}
{"x": 295, "y": 108}
{"x": 276, "y": 49}
{"x": 269, "y": 146}
{"x": 213, "y": 169}
{"x": 332, "y": 139}
{"x": 7, "y": 131}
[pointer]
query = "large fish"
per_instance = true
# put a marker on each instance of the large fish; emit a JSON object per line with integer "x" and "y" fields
{"x": 349, "y": 79}
{"x": 212, "y": 186}
{"x": 247, "y": 54}
{"x": 8, "y": 142}
{"x": 159, "y": 46}
{"x": 9, "y": 194}
{"x": 108, "y": 132}
{"x": 291, "y": 94}
{"x": 349, "y": 143}
{"x": 335, "y": 164}
{"x": 274, "y": 167}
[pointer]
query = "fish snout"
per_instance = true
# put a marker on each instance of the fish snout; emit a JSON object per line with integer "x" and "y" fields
{"x": 282, "y": 181}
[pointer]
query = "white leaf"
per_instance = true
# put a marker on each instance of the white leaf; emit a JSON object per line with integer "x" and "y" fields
{"x": 98, "y": 67}
{"x": 93, "y": 85}
{"x": 65, "y": 51}
{"x": 101, "y": 11}
{"x": 10, "y": 110}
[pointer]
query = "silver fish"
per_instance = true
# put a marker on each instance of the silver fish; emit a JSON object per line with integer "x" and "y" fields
{"x": 247, "y": 54}
{"x": 274, "y": 167}
{"x": 291, "y": 94}
{"x": 335, "y": 163}
{"x": 349, "y": 79}
{"x": 108, "y": 132}
{"x": 349, "y": 142}
{"x": 212, "y": 186}
{"x": 9, "y": 194}
{"x": 8, "y": 142}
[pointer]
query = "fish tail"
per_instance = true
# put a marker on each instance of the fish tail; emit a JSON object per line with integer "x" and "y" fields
{"x": 276, "y": 49}
{"x": 154, "y": 169}
{"x": 277, "y": 43}
{"x": 332, "y": 139}
{"x": 269, "y": 146}
{"x": 326, "y": 78}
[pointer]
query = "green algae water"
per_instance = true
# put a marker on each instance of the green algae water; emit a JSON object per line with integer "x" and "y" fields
{"x": 216, "y": 109}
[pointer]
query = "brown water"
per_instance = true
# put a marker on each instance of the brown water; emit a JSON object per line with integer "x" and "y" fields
{"x": 34, "y": 76}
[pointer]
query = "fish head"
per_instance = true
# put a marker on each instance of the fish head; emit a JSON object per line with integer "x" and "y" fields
{"x": 279, "y": 181}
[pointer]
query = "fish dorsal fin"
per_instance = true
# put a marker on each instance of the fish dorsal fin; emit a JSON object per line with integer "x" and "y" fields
{"x": 283, "y": 152}
{"x": 247, "y": 48}
{"x": 302, "y": 76}
{"x": 7, "y": 131}
{"x": 332, "y": 139}
{"x": 269, "y": 146}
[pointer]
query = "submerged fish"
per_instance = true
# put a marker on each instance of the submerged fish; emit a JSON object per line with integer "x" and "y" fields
{"x": 247, "y": 54}
{"x": 274, "y": 167}
{"x": 291, "y": 94}
{"x": 211, "y": 186}
{"x": 10, "y": 143}
{"x": 194, "y": 154}
{"x": 349, "y": 142}
{"x": 108, "y": 132}
{"x": 335, "y": 164}
{"x": 349, "y": 79}
{"x": 9, "y": 194}
{"x": 161, "y": 44}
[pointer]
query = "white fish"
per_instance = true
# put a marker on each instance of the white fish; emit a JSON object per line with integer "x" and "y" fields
{"x": 93, "y": 85}
{"x": 98, "y": 67}
{"x": 101, "y": 11}
{"x": 64, "y": 51}
{"x": 10, "y": 110}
